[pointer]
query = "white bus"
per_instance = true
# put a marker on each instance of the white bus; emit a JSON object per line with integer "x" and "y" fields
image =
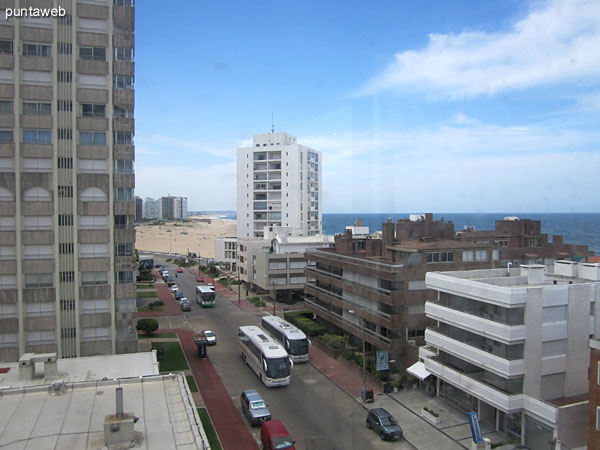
{"x": 293, "y": 340}
{"x": 205, "y": 296}
{"x": 265, "y": 356}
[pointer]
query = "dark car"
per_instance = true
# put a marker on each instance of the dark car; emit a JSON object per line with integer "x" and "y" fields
{"x": 384, "y": 424}
{"x": 254, "y": 407}
{"x": 179, "y": 295}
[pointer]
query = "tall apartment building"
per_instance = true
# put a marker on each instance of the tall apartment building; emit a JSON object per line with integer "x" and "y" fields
{"x": 378, "y": 280}
{"x": 180, "y": 210}
{"x": 513, "y": 345}
{"x": 167, "y": 206}
{"x": 139, "y": 209}
{"x": 278, "y": 184}
{"x": 151, "y": 208}
{"x": 67, "y": 266}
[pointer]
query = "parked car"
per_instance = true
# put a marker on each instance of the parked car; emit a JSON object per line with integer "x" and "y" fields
{"x": 170, "y": 281}
{"x": 211, "y": 337}
{"x": 274, "y": 436}
{"x": 178, "y": 295}
{"x": 211, "y": 285}
{"x": 185, "y": 304}
{"x": 165, "y": 274}
{"x": 254, "y": 407}
{"x": 180, "y": 270}
{"x": 384, "y": 424}
{"x": 199, "y": 279}
{"x": 174, "y": 288}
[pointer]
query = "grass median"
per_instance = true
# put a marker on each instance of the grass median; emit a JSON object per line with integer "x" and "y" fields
{"x": 170, "y": 356}
{"x": 209, "y": 429}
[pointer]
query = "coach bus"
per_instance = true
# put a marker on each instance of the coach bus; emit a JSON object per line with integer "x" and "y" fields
{"x": 205, "y": 296}
{"x": 265, "y": 356}
{"x": 293, "y": 340}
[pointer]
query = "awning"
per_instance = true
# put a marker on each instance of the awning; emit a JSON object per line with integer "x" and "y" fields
{"x": 418, "y": 370}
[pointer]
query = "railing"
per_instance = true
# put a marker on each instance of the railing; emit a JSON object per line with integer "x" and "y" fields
{"x": 352, "y": 325}
{"x": 377, "y": 290}
{"x": 349, "y": 303}
{"x": 362, "y": 262}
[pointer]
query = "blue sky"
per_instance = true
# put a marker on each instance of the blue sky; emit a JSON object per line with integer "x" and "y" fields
{"x": 438, "y": 106}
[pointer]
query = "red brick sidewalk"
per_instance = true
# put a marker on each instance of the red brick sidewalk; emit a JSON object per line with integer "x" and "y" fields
{"x": 170, "y": 307}
{"x": 338, "y": 372}
{"x": 230, "y": 427}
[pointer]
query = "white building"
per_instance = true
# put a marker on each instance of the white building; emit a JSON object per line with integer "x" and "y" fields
{"x": 278, "y": 184}
{"x": 277, "y": 261}
{"x": 180, "y": 210}
{"x": 513, "y": 345}
{"x": 151, "y": 208}
{"x": 226, "y": 252}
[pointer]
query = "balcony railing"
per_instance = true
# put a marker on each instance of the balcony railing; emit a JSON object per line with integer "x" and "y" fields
{"x": 349, "y": 303}
{"x": 377, "y": 290}
{"x": 362, "y": 262}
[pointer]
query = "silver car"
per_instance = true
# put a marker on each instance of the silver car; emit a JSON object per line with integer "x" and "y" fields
{"x": 185, "y": 305}
{"x": 254, "y": 407}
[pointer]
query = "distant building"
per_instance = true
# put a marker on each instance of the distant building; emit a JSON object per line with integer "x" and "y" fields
{"x": 378, "y": 280}
{"x": 180, "y": 210}
{"x": 278, "y": 184}
{"x": 151, "y": 208}
{"x": 139, "y": 209}
{"x": 276, "y": 263}
{"x": 167, "y": 208}
{"x": 512, "y": 344}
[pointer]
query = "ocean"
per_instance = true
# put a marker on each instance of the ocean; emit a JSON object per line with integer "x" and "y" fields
{"x": 577, "y": 228}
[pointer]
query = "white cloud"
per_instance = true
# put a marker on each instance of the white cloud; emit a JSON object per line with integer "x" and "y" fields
{"x": 558, "y": 41}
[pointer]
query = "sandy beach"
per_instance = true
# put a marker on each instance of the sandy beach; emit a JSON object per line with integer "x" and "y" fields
{"x": 196, "y": 235}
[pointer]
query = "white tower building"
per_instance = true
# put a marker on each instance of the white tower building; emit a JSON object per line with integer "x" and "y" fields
{"x": 278, "y": 184}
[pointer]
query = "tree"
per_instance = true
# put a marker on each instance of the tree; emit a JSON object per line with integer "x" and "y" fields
{"x": 148, "y": 326}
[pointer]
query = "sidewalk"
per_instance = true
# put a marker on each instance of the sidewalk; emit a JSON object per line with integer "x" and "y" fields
{"x": 170, "y": 306}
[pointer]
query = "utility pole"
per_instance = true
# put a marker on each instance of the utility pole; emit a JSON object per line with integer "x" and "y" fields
{"x": 237, "y": 266}
{"x": 274, "y": 296}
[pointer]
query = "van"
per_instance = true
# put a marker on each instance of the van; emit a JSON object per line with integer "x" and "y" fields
{"x": 274, "y": 436}
{"x": 254, "y": 407}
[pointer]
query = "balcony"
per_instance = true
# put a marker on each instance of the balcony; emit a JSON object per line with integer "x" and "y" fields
{"x": 475, "y": 356}
{"x": 479, "y": 325}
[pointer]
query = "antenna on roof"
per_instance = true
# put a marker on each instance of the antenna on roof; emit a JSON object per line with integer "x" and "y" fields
{"x": 272, "y": 124}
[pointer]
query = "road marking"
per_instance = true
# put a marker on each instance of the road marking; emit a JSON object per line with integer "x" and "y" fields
{"x": 309, "y": 380}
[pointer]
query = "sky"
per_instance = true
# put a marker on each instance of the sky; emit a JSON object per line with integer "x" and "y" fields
{"x": 437, "y": 106}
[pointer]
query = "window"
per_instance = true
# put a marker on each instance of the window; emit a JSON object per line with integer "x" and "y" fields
{"x": 123, "y": 3}
{"x": 66, "y": 248}
{"x": 92, "y": 138}
{"x": 123, "y": 82}
{"x": 6, "y": 195}
{"x": 37, "y": 223}
{"x": 65, "y": 220}
{"x": 7, "y": 252}
{"x": 37, "y": 194}
{"x": 121, "y": 222}
{"x": 93, "y": 222}
{"x": 92, "y": 194}
{"x": 468, "y": 255}
{"x": 433, "y": 257}
{"x": 65, "y": 163}
{"x": 481, "y": 255}
{"x": 598, "y": 418}
{"x": 8, "y": 281}
{"x": 65, "y": 105}
{"x": 8, "y": 339}
{"x": 67, "y": 305}
{"x": 7, "y": 223}
{"x": 64, "y": 76}
{"x": 37, "y": 137}
{"x": 92, "y": 53}
{"x": 6, "y": 136}
{"x": 123, "y": 194}
{"x": 37, "y": 252}
{"x": 123, "y": 54}
{"x": 65, "y": 191}
{"x": 125, "y": 277}
{"x": 124, "y": 250}
{"x": 93, "y": 166}
{"x": 502, "y": 243}
{"x": 123, "y": 166}
{"x": 43, "y": 165}
{"x": 8, "y": 312}
{"x": 6, "y": 106}
{"x": 533, "y": 243}
{"x": 93, "y": 278}
{"x": 68, "y": 333}
{"x": 123, "y": 138}
{"x": 122, "y": 112}
{"x": 40, "y": 337}
{"x": 39, "y": 309}
{"x": 65, "y": 48}
{"x": 95, "y": 334}
{"x": 37, "y": 108}
{"x": 37, "y": 50}
{"x": 93, "y": 250}
{"x": 65, "y": 134}
{"x": 6, "y": 47}
{"x": 93, "y": 110}
{"x": 38, "y": 280}
{"x": 495, "y": 255}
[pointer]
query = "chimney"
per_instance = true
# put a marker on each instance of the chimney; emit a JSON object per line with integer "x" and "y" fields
{"x": 119, "y": 427}
{"x": 535, "y": 273}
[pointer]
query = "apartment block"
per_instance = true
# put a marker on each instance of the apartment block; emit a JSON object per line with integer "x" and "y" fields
{"x": 151, "y": 208}
{"x": 278, "y": 184}
{"x": 66, "y": 180}
{"x": 593, "y": 422}
{"x": 139, "y": 209}
{"x": 513, "y": 345}
{"x": 378, "y": 280}
{"x": 226, "y": 253}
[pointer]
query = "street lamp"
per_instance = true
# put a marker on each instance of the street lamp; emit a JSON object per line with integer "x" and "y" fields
{"x": 237, "y": 266}
{"x": 364, "y": 365}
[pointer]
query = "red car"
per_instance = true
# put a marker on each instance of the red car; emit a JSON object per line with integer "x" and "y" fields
{"x": 180, "y": 270}
{"x": 199, "y": 279}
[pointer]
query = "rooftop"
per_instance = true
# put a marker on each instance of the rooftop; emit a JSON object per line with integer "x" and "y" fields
{"x": 444, "y": 244}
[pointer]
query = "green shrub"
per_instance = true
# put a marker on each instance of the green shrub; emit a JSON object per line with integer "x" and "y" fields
{"x": 148, "y": 326}
{"x": 310, "y": 327}
{"x": 293, "y": 316}
{"x": 395, "y": 384}
{"x": 348, "y": 355}
{"x": 431, "y": 411}
{"x": 334, "y": 341}
{"x": 383, "y": 375}
{"x": 157, "y": 303}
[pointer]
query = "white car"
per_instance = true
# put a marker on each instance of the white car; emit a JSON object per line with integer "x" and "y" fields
{"x": 211, "y": 337}
{"x": 211, "y": 285}
{"x": 174, "y": 288}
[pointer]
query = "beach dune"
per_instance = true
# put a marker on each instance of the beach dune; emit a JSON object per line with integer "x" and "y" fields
{"x": 196, "y": 235}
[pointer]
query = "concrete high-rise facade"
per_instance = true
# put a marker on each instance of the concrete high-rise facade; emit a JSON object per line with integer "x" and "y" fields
{"x": 151, "y": 208}
{"x": 278, "y": 184}
{"x": 67, "y": 265}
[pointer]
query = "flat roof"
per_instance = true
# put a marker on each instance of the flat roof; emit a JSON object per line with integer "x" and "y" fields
{"x": 89, "y": 368}
{"x": 443, "y": 244}
{"x": 39, "y": 417}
